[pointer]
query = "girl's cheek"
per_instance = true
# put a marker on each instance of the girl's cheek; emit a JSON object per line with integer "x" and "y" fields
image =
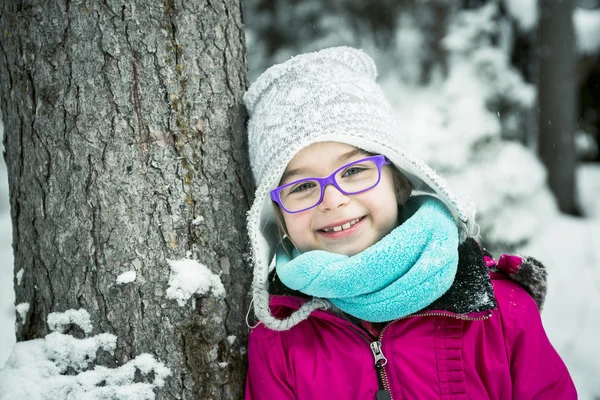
{"x": 289, "y": 223}
{"x": 297, "y": 223}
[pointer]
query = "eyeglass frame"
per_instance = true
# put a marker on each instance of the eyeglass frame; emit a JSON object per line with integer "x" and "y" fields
{"x": 379, "y": 160}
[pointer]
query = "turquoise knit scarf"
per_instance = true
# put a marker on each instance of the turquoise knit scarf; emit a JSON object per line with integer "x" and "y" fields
{"x": 404, "y": 272}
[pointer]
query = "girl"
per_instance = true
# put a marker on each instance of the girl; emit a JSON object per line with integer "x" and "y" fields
{"x": 375, "y": 292}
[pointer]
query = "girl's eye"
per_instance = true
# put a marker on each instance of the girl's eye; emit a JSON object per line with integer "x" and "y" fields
{"x": 303, "y": 187}
{"x": 354, "y": 170}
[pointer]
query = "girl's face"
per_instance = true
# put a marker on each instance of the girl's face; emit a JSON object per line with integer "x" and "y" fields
{"x": 376, "y": 209}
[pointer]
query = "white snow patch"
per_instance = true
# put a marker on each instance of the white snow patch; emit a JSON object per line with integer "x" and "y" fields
{"x": 198, "y": 220}
{"x": 585, "y": 144}
{"x": 525, "y": 12}
{"x": 588, "y": 189}
{"x": 20, "y": 276}
{"x": 66, "y": 351}
{"x": 223, "y": 365}
{"x": 231, "y": 339}
{"x": 22, "y": 309}
{"x": 59, "y": 322}
{"x": 587, "y": 30}
{"x": 126, "y": 277}
{"x": 213, "y": 353}
{"x": 60, "y": 367}
{"x": 189, "y": 277}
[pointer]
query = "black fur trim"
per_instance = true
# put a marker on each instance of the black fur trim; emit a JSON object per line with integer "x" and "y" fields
{"x": 278, "y": 288}
{"x": 486, "y": 252}
{"x": 532, "y": 275}
{"x": 472, "y": 289}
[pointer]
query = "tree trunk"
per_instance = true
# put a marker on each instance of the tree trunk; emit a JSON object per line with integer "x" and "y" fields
{"x": 123, "y": 124}
{"x": 557, "y": 101}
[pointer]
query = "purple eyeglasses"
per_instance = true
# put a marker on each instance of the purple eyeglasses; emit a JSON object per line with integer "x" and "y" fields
{"x": 352, "y": 178}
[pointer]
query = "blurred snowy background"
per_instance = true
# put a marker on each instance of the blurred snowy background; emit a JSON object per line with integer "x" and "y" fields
{"x": 466, "y": 97}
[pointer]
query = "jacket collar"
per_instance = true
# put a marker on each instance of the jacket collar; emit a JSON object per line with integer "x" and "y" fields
{"x": 472, "y": 289}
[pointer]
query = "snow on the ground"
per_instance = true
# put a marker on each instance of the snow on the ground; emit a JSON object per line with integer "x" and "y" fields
{"x": 568, "y": 246}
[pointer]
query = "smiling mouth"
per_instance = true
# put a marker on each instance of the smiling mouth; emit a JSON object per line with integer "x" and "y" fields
{"x": 342, "y": 227}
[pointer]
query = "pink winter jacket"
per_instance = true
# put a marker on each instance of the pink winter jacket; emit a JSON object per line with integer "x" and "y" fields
{"x": 502, "y": 353}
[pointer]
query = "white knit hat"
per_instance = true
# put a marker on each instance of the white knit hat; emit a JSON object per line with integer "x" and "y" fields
{"x": 329, "y": 95}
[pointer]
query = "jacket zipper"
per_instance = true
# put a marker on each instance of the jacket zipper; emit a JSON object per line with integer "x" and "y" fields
{"x": 384, "y": 392}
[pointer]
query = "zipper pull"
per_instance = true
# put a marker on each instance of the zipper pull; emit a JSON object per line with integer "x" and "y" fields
{"x": 380, "y": 360}
{"x": 383, "y": 395}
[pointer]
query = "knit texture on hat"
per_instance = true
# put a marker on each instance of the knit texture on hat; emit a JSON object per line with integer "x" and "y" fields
{"x": 330, "y": 95}
{"x": 329, "y": 92}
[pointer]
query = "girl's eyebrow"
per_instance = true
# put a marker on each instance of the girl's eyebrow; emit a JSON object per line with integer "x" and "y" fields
{"x": 301, "y": 171}
{"x": 352, "y": 153}
{"x": 292, "y": 172}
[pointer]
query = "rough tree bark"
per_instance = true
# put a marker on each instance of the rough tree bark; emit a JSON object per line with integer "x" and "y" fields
{"x": 123, "y": 123}
{"x": 557, "y": 99}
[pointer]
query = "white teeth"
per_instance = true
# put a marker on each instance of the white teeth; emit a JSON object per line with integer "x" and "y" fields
{"x": 342, "y": 227}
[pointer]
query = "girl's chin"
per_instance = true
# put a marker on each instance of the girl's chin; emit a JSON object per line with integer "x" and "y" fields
{"x": 347, "y": 249}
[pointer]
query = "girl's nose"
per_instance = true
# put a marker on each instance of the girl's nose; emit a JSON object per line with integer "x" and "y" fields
{"x": 333, "y": 198}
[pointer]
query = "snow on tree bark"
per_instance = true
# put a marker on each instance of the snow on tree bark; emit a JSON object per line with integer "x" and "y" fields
{"x": 125, "y": 147}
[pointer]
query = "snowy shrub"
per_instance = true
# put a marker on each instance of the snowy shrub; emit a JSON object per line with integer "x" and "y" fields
{"x": 459, "y": 125}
